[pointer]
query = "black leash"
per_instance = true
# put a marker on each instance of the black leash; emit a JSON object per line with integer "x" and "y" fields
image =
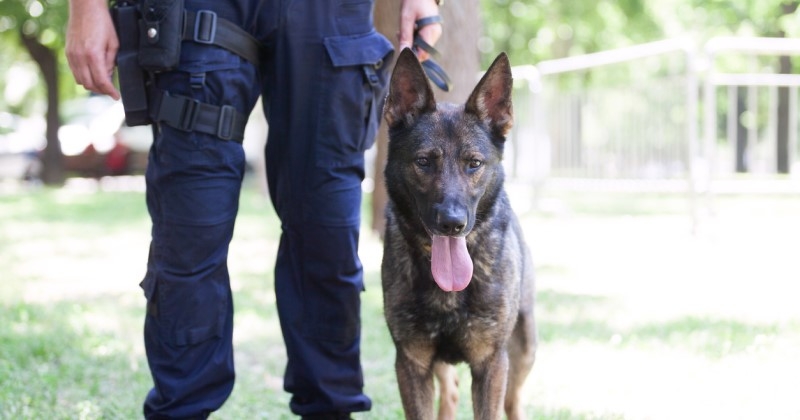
{"x": 434, "y": 71}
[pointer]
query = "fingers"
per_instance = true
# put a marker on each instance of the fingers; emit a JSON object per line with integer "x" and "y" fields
{"x": 91, "y": 72}
{"x": 107, "y": 86}
{"x": 430, "y": 34}
{"x": 406, "y": 34}
{"x": 94, "y": 71}
{"x": 80, "y": 72}
{"x": 410, "y": 12}
{"x": 92, "y": 46}
{"x": 102, "y": 81}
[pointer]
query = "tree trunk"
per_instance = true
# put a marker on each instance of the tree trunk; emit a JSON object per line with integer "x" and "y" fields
{"x": 53, "y": 159}
{"x": 742, "y": 158}
{"x": 460, "y": 59}
{"x": 785, "y": 67}
{"x": 782, "y": 152}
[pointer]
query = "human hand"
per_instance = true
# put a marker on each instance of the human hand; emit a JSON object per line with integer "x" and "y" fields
{"x": 92, "y": 46}
{"x": 410, "y": 12}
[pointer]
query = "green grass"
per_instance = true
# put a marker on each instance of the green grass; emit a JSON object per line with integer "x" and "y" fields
{"x": 638, "y": 317}
{"x": 55, "y": 366}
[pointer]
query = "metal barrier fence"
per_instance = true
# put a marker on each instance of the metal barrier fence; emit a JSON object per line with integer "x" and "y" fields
{"x": 751, "y": 109}
{"x": 629, "y": 118}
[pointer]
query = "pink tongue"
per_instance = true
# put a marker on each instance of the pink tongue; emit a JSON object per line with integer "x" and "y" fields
{"x": 450, "y": 263}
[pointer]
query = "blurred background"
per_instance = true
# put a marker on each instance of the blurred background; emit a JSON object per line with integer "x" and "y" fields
{"x": 654, "y": 162}
{"x": 606, "y": 89}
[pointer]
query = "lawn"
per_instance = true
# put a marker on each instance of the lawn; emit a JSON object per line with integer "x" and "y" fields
{"x": 639, "y": 317}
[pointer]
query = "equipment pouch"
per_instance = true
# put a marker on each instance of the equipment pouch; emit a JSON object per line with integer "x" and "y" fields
{"x": 132, "y": 79}
{"x": 160, "y": 34}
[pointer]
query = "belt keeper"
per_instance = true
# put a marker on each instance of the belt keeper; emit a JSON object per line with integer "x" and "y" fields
{"x": 227, "y": 115}
{"x": 197, "y": 80}
{"x": 205, "y": 27}
{"x": 189, "y": 115}
{"x": 372, "y": 75}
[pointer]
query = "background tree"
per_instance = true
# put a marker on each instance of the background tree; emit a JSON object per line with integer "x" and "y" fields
{"x": 535, "y": 30}
{"x": 475, "y": 31}
{"x": 38, "y": 26}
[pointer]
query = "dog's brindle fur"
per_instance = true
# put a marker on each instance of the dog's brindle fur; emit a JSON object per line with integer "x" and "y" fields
{"x": 444, "y": 176}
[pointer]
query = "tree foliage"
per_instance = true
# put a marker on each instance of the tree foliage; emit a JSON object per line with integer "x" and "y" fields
{"x": 529, "y": 30}
{"x": 37, "y": 24}
{"x": 535, "y": 30}
{"x": 43, "y": 21}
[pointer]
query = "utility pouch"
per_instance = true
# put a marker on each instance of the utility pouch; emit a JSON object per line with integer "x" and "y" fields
{"x": 160, "y": 34}
{"x": 132, "y": 79}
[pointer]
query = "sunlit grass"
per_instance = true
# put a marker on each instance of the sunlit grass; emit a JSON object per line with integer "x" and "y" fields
{"x": 638, "y": 317}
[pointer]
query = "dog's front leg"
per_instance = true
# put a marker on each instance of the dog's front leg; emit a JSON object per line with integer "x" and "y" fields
{"x": 415, "y": 380}
{"x": 489, "y": 386}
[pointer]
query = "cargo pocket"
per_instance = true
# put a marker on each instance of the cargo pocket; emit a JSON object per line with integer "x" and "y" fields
{"x": 184, "y": 307}
{"x": 183, "y": 315}
{"x": 353, "y": 90}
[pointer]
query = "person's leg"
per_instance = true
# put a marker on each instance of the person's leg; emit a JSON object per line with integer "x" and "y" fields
{"x": 324, "y": 86}
{"x": 193, "y": 184}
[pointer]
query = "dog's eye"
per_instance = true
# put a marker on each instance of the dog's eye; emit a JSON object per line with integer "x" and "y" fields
{"x": 475, "y": 163}
{"x": 422, "y": 161}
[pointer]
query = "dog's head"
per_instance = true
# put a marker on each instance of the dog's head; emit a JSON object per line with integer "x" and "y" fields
{"x": 443, "y": 169}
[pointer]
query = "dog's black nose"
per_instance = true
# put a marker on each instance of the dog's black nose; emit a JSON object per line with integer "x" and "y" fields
{"x": 451, "y": 221}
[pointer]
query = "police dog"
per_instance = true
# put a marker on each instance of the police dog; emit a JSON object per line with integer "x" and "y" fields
{"x": 457, "y": 275}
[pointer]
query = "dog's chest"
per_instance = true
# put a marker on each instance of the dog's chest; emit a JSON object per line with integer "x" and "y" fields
{"x": 456, "y": 325}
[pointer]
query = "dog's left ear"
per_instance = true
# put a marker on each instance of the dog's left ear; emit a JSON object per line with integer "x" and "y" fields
{"x": 410, "y": 95}
{"x": 491, "y": 99}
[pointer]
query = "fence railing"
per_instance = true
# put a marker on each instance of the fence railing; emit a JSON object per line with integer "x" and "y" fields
{"x": 757, "y": 139}
{"x": 630, "y": 118}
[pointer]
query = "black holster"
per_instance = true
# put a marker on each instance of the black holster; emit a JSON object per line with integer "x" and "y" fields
{"x": 133, "y": 80}
{"x": 160, "y": 34}
{"x": 149, "y": 33}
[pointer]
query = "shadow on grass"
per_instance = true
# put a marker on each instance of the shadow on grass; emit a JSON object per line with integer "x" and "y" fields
{"x": 571, "y": 318}
{"x": 108, "y": 210}
{"x": 709, "y": 337}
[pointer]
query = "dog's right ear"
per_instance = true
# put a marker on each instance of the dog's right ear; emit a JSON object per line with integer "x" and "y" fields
{"x": 410, "y": 94}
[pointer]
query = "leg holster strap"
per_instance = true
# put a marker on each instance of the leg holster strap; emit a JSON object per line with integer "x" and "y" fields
{"x": 187, "y": 114}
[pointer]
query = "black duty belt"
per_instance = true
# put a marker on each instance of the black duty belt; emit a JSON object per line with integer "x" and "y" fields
{"x": 204, "y": 27}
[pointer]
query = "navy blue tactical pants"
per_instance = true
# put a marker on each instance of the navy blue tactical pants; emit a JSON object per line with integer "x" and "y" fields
{"x": 322, "y": 76}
